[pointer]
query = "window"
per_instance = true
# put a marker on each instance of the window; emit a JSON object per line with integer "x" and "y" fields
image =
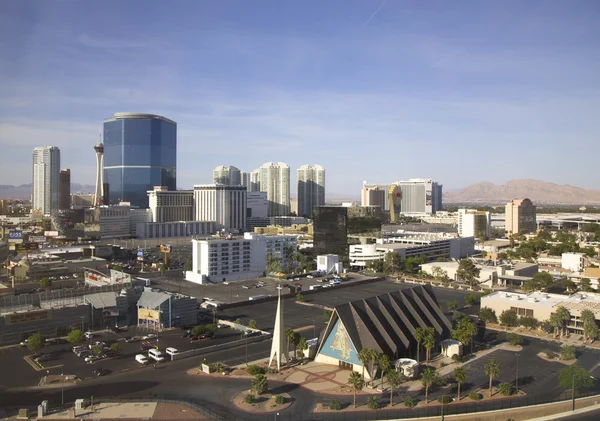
{"x": 522, "y": 311}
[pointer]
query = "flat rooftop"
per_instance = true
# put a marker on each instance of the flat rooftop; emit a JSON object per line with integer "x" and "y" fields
{"x": 577, "y": 301}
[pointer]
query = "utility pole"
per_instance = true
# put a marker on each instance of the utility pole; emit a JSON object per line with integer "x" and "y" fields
{"x": 517, "y": 376}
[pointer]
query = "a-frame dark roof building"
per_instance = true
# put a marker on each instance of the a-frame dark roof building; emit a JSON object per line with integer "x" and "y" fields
{"x": 385, "y": 323}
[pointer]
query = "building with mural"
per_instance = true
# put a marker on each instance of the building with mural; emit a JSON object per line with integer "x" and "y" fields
{"x": 385, "y": 323}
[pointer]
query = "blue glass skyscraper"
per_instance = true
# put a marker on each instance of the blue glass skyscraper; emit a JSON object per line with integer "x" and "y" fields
{"x": 140, "y": 152}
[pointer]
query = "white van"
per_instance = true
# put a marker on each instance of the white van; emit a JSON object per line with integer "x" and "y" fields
{"x": 156, "y": 355}
{"x": 141, "y": 358}
{"x": 313, "y": 287}
{"x": 172, "y": 351}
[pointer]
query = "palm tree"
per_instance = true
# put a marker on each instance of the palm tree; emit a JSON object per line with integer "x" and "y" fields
{"x": 374, "y": 354}
{"x": 460, "y": 375}
{"x": 428, "y": 379}
{"x": 492, "y": 370}
{"x": 385, "y": 365}
{"x": 289, "y": 334}
{"x": 364, "y": 355}
{"x": 429, "y": 342}
{"x": 357, "y": 382}
{"x": 590, "y": 329}
{"x": 563, "y": 314}
{"x": 556, "y": 322}
{"x": 394, "y": 379}
{"x": 419, "y": 336}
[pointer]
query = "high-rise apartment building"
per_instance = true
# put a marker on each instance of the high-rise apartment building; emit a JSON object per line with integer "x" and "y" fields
{"x": 254, "y": 180}
{"x": 474, "y": 223}
{"x": 140, "y": 152}
{"x": 311, "y": 188}
{"x": 170, "y": 206}
{"x": 64, "y": 199}
{"x": 520, "y": 215}
{"x": 229, "y": 176}
{"x": 46, "y": 175}
{"x": 226, "y": 205}
{"x": 274, "y": 178}
{"x": 417, "y": 196}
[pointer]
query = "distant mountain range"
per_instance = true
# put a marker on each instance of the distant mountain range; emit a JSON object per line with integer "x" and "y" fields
{"x": 24, "y": 190}
{"x": 538, "y": 191}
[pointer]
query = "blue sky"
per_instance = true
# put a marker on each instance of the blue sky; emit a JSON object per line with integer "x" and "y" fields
{"x": 458, "y": 91}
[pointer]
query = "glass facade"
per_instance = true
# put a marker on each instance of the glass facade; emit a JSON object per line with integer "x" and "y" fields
{"x": 140, "y": 152}
{"x": 330, "y": 230}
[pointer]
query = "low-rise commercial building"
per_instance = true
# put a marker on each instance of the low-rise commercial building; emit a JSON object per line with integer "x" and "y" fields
{"x": 575, "y": 262}
{"x": 541, "y": 305}
{"x": 489, "y": 275}
{"x": 175, "y": 229}
{"x": 163, "y": 310}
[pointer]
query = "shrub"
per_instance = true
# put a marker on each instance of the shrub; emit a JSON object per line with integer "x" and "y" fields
{"x": 299, "y": 297}
{"x": 505, "y": 389}
{"x": 279, "y": 400}
{"x": 443, "y": 364}
{"x": 252, "y": 324}
{"x": 260, "y": 384}
{"x": 509, "y": 318}
{"x": 409, "y": 402}
{"x": 254, "y": 369}
{"x": 218, "y": 367}
{"x": 327, "y": 314}
{"x": 238, "y": 321}
{"x": 475, "y": 396}
{"x": 372, "y": 403}
{"x": 567, "y": 352}
{"x": 249, "y": 398}
{"x": 472, "y": 299}
{"x": 456, "y": 358}
{"x": 444, "y": 399}
{"x": 488, "y": 315}
{"x": 115, "y": 347}
{"x": 515, "y": 339}
{"x": 335, "y": 405}
{"x": 75, "y": 337}
{"x": 529, "y": 322}
{"x": 198, "y": 330}
{"x": 550, "y": 355}
{"x": 35, "y": 342}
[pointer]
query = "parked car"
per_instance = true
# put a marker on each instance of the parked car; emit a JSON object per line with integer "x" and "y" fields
{"x": 42, "y": 357}
{"x": 91, "y": 358}
{"x": 77, "y": 348}
{"x": 309, "y": 276}
{"x": 156, "y": 355}
{"x": 132, "y": 339}
{"x": 149, "y": 336}
{"x": 100, "y": 372}
{"x": 24, "y": 343}
{"x": 335, "y": 282}
{"x": 193, "y": 338}
{"x": 88, "y": 335}
{"x": 84, "y": 353}
{"x": 187, "y": 333}
{"x": 245, "y": 287}
{"x": 206, "y": 335}
{"x": 172, "y": 351}
{"x": 145, "y": 347}
{"x": 142, "y": 359}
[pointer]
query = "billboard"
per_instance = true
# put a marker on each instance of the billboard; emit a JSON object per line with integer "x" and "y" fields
{"x": 15, "y": 236}
{"x": 30, "y": 316}
{"x": 37, "y": 239}
{"x": 165, "y": 248}
{"x": 146, "y": 314}
{"x": 51, "y": 233}
{"x": 117, "y": 277}
{"x": 140, "y": 254}
{"x": 27, "y": 246}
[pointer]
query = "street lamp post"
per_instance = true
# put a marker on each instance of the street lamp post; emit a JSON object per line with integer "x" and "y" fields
{"x": 82, "y": 317}
{"x": 517, "y": 375}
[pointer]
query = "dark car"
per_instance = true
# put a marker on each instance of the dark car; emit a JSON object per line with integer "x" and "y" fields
{"x": 42, "y": 357}
{"x": 100, "y": 372}
{"x": 132, "y": 339}
{"x": 193, "y": 338}
{"x": 146, "y": 347}
{"x": 206, "y": 335}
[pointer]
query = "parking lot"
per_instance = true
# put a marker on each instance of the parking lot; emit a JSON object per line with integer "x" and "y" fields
{"x": 19, "y": 371}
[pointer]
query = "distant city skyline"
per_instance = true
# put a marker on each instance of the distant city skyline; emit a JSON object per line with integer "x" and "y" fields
{"x": 457, "y": 92}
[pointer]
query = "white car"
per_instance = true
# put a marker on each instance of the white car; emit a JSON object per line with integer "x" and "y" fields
{"x": 335, "y": 282}
{"x": 88, "y": 335}
{"x": 156, "y": 355}
{"x": 141, "y": 358}
{"x": 91, "y": 358}
{"x": 309, "y": 276}
{"x": 149, "y": 336}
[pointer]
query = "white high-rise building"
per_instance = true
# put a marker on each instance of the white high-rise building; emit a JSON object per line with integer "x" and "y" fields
{"x": 229, "y": 176}
{"x": 46, "y": 175}
{"x": 311, "y": 188}
{"x": 275, "y": 180}
{"x": 474, "y": 223}
{"x": 226, "y": 205}
{"x": 254, "y": 180}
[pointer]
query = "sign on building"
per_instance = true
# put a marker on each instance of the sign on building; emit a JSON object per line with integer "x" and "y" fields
{"x": 117, "y": 277}
{"x": 51, "y": 233}
{"x": 147, "y": 314}
{"x": 165, "y": 248}
{"x": 30, "y": 316}
{"x": 140, "y": 255}
{"x": 15, "y": 236}
{"x": 37, "y": 239}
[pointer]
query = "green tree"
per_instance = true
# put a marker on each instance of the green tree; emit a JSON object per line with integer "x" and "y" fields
{"x": 419, "y": 336}
{"x": 488, "y": 315}
{"x": 75, "y": 337}
{"x": 409, "y": 402}
{"x": 428, "y": 378}
{"x": 335, "y": 405}
{"x": 467, "y": 271}
{"x": 567, "y": 352}
{"x": 372, "y": 403}
{"x": 115, "y": 347}
{"x": 238, "y": 321}
{"x": 385, "y": 365}
{"x": 392, "y": 262}
{"x": 505, "y": 389}
{"x": 529, "y": 322}
{"x": 465, "y": 331}
{"x": 327, "y": 314}
{"x": 452, "y": 305}
{"x": 472, "y": 299}
{"x": 439, "y": 273}
{"x": 357, "y": 382}
{"x": 590, "y": 328}
{"x": 35, "y": 342}
{"x": 531, "y": 285}
{"x": 375, "y": 266}
{"x": 299, "y": 297}
{"x": 492, "y": 370}
{"x": 364, "y": 356}
{"x": 374, "y": 354}
{"x": 586, "y": 285}
{"x": 543, "y": 280}
{"x": 252, "y": 324}
{"x": 199, "y": 330}
{"x": 45, "y": 283}
{"x": 509, "y": 318}
{"x": 460, "y": 375}
{"x": 98, "y": 351}
{"x": 564, "y": 316}
{"x": 577, "y": 376}
{"x": 302, "y": 346}
{"x": 394, "y": 379}
{"x": 515, "y": 339}
{"x": 189, "y": 265}
{"x": 428, "y": 342}
{"x": 260, "y": 384}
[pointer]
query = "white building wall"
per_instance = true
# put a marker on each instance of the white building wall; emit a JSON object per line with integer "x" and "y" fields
{"x": 138, "y": 216}
{"x": 327, "y": 262}
{"x": 275, "y": 180}
{"x": 574, "y": 262}
{"x": 311, "y": 188}
{"x": 45, "y": 179}
{"x": 226, "y": 205}
{"x": 114, "y": 221}
{"x": 169, "y": 206}
{"x": 257, "y": 204}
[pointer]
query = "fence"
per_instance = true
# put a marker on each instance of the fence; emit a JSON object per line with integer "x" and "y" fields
{"x": 221, "y": 411}
{"x": 220, "y": 347}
